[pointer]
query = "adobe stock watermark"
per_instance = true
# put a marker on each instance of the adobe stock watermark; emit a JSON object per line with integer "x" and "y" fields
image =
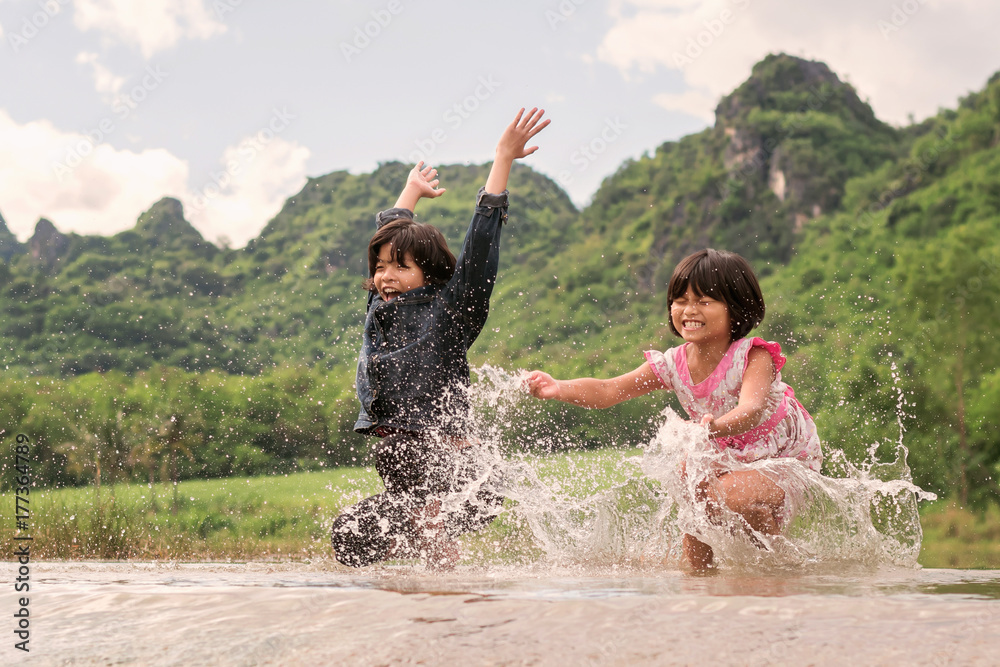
{"x": 246, "y": 152}
{"x": 123, "y": 107}
{"x": 588, "y": 153}
{"x": 365, "y": 34}
{"x": 899, "y": 17}
{"x": 704, "y": 39}
{"x": 454, "y": 117}
{"x": 35, "y": 23}
{"x": 562, "y": 12}
{"x": 222, "y": 7}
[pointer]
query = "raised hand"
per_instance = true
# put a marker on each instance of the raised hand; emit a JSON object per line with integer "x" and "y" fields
{"x": 522, "y": 129}
{"x": 513, "y": 145}
{"x": 421, "y": 182}
{"x": 424, "y": 180}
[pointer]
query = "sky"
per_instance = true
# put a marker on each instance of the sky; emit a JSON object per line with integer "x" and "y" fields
{"x": 106, "y": 106}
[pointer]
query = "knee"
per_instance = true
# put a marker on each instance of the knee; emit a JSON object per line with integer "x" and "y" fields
{"x": 744, "y": 498}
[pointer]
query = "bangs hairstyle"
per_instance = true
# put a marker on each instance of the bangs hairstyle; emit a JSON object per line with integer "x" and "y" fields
{"x": 425, "y": 242}
{"x": 726, "y": 277}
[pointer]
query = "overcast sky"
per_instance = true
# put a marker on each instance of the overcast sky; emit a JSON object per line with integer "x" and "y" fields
{"x": 108, "y": 105}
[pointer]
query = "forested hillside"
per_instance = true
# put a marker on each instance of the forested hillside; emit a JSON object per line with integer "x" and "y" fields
{"x": 154, "y": 354}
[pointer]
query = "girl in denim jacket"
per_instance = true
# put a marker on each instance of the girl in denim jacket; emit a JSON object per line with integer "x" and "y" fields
{"x": 425, "y": 309}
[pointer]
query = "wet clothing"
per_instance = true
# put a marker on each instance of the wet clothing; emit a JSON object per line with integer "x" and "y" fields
{"x": 416, "y": 469}
{"x": 412, "y": 382}
{"x": 785, "y": 430}
{"x": 413, "y": 371}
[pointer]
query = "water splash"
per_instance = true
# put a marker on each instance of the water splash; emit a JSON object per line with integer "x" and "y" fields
{"x": 608, "y": 507}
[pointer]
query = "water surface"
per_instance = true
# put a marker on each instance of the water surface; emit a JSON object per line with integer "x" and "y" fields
{"x": 88, "y": 613}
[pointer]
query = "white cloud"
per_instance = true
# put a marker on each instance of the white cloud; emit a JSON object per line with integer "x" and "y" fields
{"x": 103, "y": 194}
{"x": 933, "y": 52}
{"x": 694, "y": 102}
{"x": 105, "y": 82}
{"x": 151, "y": 25}
{"x": 92, "y": 188}
{"x": 256, "y": 176}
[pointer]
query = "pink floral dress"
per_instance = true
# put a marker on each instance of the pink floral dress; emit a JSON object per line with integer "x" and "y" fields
{"x": 785, "y": 429}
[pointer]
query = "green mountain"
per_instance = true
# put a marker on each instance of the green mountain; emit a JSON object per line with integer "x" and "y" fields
{"x": 871, "y": 240}
{"x": 9, "y": 245}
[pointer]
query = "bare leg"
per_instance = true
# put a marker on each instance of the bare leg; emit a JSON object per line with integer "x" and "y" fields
{"x": 437, "y": 548}
{"x": 749, "y": 493}
{"x": 752, "y": 495}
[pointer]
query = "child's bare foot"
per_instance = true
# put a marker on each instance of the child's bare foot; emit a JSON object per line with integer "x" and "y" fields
{"x": 441, "y": 552}
{"x": 438, "y": 550}
{"x": 698, "y": 554}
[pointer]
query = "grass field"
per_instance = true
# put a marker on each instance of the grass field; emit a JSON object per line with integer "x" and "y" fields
{"x": 288, "y": 517}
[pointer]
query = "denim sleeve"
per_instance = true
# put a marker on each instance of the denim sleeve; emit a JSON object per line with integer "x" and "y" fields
{"x": 470, "y": 288}
{"x": 388, "y": 215}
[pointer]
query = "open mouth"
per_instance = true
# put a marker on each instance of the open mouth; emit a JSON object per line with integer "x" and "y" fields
{"x": 692, "y": 324}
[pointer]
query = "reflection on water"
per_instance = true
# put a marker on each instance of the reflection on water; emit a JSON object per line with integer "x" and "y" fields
{"x": 321, "y": 613}
{"x": 532, "y": 582}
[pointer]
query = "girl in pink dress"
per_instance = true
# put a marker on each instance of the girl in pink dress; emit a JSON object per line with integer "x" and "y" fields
{"x": 725, "y": 381}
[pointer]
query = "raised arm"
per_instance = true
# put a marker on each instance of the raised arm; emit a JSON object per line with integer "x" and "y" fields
{"x": 477, "y": 264}
{"x": 421, "y": 182}
{"x": 591, "y": 392}
{"x": 512, "y": 146}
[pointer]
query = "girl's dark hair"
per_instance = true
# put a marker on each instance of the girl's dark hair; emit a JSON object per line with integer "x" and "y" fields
{"x": 724, "y": 276}
{"x": 425, "y": 242}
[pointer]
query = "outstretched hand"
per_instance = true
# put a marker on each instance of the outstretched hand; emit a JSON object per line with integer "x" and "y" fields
{"x": 540, "y": 385}
{"x": 424, "y": 181}
{"x": 513, "y": 145}
{"x": 421, "y": 182}
{"x": 513, "y": 142}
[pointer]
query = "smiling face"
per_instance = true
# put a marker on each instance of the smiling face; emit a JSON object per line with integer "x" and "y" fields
{"x": 392, "y": 277}
{"x": 711, "y": 281}
{"x": 700, "y": 318}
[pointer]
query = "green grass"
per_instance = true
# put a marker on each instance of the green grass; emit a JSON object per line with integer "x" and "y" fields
{"x": 957, "y": 537}
{"x": 235, "y": 518}
{"x": 289, "y": 517}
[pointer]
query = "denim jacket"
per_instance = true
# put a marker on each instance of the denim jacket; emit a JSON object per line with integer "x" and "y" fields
{"x": 413, "y": 372}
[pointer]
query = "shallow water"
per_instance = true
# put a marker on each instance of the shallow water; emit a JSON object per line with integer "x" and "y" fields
{"x": 320, "y": 613}
{"x": 839, "y": 585}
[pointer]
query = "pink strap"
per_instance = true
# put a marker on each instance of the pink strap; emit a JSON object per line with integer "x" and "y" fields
{"x": 774, "y": 349}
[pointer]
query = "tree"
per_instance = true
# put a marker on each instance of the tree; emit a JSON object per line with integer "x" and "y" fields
{"x": 951, "y": 287}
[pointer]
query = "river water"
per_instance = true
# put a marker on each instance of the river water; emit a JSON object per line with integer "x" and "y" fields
{"x": 605, "y": 583}
{"x": 88, "y": 613}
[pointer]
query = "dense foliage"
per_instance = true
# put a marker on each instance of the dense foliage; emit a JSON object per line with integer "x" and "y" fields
{"x": 155, "y": 354}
